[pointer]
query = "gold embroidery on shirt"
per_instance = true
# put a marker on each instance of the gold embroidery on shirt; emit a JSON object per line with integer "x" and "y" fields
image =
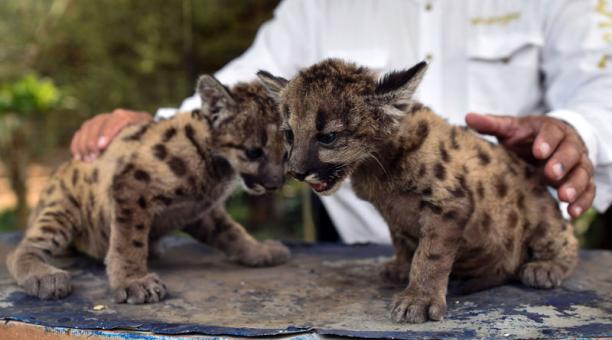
{"x": 606, "y": 25}
{"x": 603, "y": 62}
{"x": 602, "y": 8}
{"x": 496, "y": 20}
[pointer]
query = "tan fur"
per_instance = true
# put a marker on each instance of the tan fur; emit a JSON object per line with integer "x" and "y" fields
{"x": 455, "y": 203}
{"x": 155, "y": 178}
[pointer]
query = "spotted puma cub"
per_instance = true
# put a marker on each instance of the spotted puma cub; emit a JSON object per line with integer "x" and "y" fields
{"x": 155, "y": 178}
{"x": 455, "y": 203}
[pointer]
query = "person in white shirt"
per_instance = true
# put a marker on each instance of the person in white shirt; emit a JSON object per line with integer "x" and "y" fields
{"x": 546, "y": 66}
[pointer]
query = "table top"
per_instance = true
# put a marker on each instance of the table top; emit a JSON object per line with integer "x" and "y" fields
{"x": 326, "y": 289}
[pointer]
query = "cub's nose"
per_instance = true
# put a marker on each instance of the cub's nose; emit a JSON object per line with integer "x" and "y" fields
{"x": 274, "y": 182}
{"x": 300, "y": 176}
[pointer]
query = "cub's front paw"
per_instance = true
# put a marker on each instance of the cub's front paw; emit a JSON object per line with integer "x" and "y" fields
{"x": 541, "y": 274}
{"x": 264, "y": 254}
{"x": 146, "y": 289}
{"x": 416, "y": 308}
{"x": 54, "y": 285}
{"x": 394, "y": 272}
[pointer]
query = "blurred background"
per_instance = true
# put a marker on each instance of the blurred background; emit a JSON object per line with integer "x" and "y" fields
{"x": 63, "y": 61}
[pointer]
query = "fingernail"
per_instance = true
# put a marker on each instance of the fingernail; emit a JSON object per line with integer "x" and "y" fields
{"x": 558, "y": 170}
{"x": 102, "y": 142}
{"x": 577, "y": 211}
{"x": 571, "y": 193}
{"x": 77, "y": 157}
{"x": 544, "y": 149}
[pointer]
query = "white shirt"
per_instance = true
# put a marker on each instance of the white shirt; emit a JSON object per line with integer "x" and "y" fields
{"x": 518, "y": 58}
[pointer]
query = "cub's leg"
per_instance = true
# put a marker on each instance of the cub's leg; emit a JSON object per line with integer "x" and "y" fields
{"x": 425, "y": 296}
{"x": 49, "y": 235}
{"x": 219, "y": 230}
{"x": 555, "y": 254}
{"x": 126, "y": 259}
{"x": 397, "y": 270}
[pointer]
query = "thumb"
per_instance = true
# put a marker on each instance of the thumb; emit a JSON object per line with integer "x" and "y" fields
{"x": 503, "y": 127}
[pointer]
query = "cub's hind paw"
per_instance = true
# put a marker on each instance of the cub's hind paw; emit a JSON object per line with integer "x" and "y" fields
{"x": 54, "y": 285}
{"x": 541, "y": 274}
{"x": 417, "y": 308}
{"x": 265, "y": 254}
{"x": 146, "y": 289}
{"x": 394, "y": 272}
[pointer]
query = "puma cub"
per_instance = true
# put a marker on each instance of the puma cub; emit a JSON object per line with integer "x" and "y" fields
{"x": 153, "y": 179}
{"x": 455, "y": 203}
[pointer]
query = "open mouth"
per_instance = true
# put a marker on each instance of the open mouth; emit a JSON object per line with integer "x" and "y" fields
{"x": 252, "y": 185}
{"x": 322, "y": 186}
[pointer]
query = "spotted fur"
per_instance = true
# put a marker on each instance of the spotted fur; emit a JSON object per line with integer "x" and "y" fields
{"x": 155, "y": 178}
{"x": 455, "y": 203}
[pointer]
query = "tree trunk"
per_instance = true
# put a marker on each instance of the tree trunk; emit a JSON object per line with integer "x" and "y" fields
{"x": 17, "y": 172}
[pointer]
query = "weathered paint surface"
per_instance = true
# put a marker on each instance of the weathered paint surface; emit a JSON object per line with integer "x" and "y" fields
{"x": 327, "y": 289}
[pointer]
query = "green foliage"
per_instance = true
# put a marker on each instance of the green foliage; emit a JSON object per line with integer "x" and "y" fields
{"x": 8, "y": 220}
{"x": 27, "y": 96}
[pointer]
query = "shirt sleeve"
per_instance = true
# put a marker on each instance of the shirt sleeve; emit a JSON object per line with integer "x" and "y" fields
{"x": 282, "y": 45}
{"x": 577, "y": 67}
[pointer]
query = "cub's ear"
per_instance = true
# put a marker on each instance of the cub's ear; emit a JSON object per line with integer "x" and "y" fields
{"x": 273, "y": 84}
{"x": 217, "y": 102}
{"x": 397, "y": 88}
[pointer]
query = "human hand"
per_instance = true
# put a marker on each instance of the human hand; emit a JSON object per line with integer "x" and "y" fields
{"x": 541, "y": 138}
{"x": 97, "y": 133}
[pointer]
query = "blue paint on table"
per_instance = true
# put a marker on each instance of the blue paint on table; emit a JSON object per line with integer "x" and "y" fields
{"x": 327, "y": 288}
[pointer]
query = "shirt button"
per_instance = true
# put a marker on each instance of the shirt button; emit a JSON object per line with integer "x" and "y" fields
{"x": 429, "y": 57}
{"x": 428, "y": 6}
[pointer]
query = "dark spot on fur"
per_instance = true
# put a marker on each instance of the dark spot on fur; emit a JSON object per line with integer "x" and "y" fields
{"x": 55, "y": 243}
{"x": 520, "y": 200}
{"x": 169, "y": 134}
{"x": 94, "y": 176}
{"x": 142, "y": 202}
{"x": 526, "y": 225}
{"x": 509, "y": 244}
{"x": 512, "y": 219}
{"x": 138, "y": 134}
{"x": 449, "y": 215}
{"x": 137, "y": 244}
{"x": 484, "y": 157}
{"x": 422, "y": 170}
{"x": 443, "y": 153}
{"x": 453, "y": 137}
{"x": 434, "y": 208}
{"x": 140, "y": 227}
{"x": 480, "y": 190}
{"x": 73, "y": 201}
{"x": 426, "y": 192}
{"x": 486, "y": 223}
{"x": 163, "y": 199}
{"x": 48, "y": 230}
{"x": 440, "y": 171}
{"x": 75, "y": 177}
{"x": 141, "y": 175}
{"x": 129, "y": 167}
{"x": 457, "y": 192}
{"x": 501, "y": 188}
{"x": 160, "y": 152}
{"x": 177, "y": 166}
{"x": 434, "y": 257}
{"x": 50, "y": 190}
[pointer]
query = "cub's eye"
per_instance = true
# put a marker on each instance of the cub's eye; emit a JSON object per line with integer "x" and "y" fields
{"x": 289, "y": 136}
{"x": 326, "y": 138}
{"x": 253, "y": 153}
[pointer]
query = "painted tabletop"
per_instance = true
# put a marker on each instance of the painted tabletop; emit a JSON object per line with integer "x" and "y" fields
{"x": 326, "y": 289}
